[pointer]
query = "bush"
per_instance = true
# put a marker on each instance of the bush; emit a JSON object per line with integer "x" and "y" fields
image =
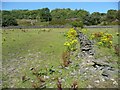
{"x": 77, "y": 24}
{"x": 71, "y": 42}
{"x": 103, "y": 39}
{"x": 58, "y": 22}
{"x": 8, "y": 21}
{"x": 104, "y": 23}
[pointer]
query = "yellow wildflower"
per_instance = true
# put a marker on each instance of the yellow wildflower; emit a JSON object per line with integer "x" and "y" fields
{"x": 100, "y": 43}
{"x": 110, "y": 42}
{"x": 66, "y": 44}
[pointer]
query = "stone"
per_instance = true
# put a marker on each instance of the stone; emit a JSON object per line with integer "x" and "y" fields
{"x": 46, "y": 77}
{"x": 115, "y": 83}
{"x": 103, "y": 79}
{"x": 60, "y": 67}
{"x": 60, "y": 71}
{"x": 67, "y": 68}
{"x": 85, "y": 49}
{"x": 63, "y": 80}
{"x": 94, "y": 70}
{"x": 89, "y": 86}
{"x": 91, "y": 52}
{"x": 112, "y": 79}
{"x": 97, "y": 81}
{"x": 89, "y": 63}
{"x": 72, "y": 74}
{"x": 107, "y": 73}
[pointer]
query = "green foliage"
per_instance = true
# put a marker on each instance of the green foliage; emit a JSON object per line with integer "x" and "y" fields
{"x": 65, "y": 16}
{"x": 104, "y": 23}
{"x": 8, "y": 21}
{"x": 45, "y": 15}
{"x": 111, "y": 15}
{"x": 58, "y": 22}
{"x": 103, "y": 39}
{"x": 77, "y": 24}
{"x": 95, "y": 18}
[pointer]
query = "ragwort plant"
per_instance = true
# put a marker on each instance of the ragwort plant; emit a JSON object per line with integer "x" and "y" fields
{"x": 71, "y": 42}
{"x": 102, "y": 39}
{"x": 70, "y": 45}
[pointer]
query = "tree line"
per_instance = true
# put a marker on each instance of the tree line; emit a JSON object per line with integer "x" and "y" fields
{"x": 59, "y": 17}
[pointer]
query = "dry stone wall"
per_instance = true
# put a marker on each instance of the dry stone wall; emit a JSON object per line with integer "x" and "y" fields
{"x": 98, "y": 72}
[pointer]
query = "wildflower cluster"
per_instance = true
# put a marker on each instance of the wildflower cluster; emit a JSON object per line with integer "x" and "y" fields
{"x": 71, "y": 40}
{"x": 103, "y": 39}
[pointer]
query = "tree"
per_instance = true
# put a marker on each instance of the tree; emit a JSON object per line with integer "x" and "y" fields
{"x": 65, "y": 16}
{"x": 82, "y": 14}
{"x": 8, "y": 21}
{"x": 118, "y": 17}
{"x": 77, "y": 24}
{"x": 111, "y": 15}
{"x": 45, "y": 14}
{"x": 95, "y": 18}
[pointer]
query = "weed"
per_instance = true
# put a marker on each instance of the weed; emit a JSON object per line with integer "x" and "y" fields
{"x": 74, "y": 85}
{"x": 65, "y": 58}
{"x": 35, "y": 85}
{"x": 59, "y": 85}
{"x": 116, "y": 48}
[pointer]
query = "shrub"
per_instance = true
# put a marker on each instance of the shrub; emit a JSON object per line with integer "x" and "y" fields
{"x": 71, "y": 40}
{"x": 103, "y": 39}
{"x": 65, "y": 58}
{"x": 77, "y": 24}
{"x": 117, "y": 50}
{"x": 8, "y": 21}
{"x": 58, "y": 22}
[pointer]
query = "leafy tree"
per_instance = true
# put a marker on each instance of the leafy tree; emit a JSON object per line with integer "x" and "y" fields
{"x": 118, "y": 16}
{"x": 64, "y": 16}
{"x": 45, "y": 14}
{"x": 82, "y": 14}
{"x": 111, "y": 15}
{"x": 95, "y": 18}
{"x": 58, "y": 22}
{"x": 8, "y": 21}
{"x": 59, "y": 14}
{"x": 77, "y": 24}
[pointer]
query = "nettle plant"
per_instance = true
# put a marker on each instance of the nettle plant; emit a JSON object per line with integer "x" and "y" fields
{"x": 102, "y": 39}
{"x": 71, "y": 42}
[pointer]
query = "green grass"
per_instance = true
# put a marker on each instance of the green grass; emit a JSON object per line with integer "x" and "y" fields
{"x": 24, "y": 50}
{"x": 27, "y": 22}
{"x": 35, "y": 48}
{"x": 31, "y": 41}
{"x": 112, "y": 31}
{"x": 103, "y": 52}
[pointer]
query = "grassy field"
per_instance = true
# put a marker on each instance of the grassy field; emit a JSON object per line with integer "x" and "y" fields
{"x": 103, "y": 52}
{"x": 41, "y": 49}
